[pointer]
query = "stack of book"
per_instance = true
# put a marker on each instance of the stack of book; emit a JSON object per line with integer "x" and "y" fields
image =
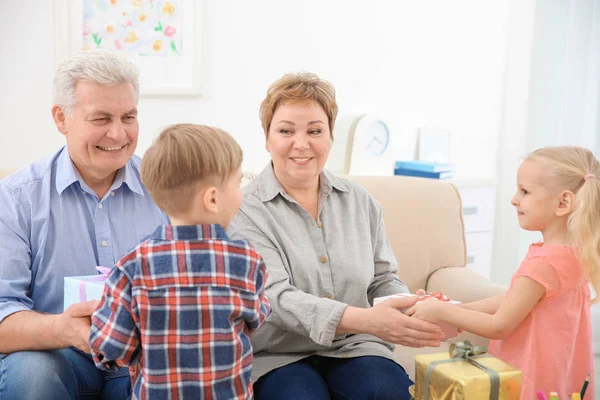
{"x": 424, "y": 169}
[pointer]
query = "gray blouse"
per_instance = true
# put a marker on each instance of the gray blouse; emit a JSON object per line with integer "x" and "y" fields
{"x": 316, "y": 269}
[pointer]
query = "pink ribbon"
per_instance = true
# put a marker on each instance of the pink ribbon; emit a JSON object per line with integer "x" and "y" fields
{"x": 104, "y": 271}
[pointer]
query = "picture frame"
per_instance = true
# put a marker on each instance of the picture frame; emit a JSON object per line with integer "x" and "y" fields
{"x": 164, "y": 75}
{"x": 434, "y": 145}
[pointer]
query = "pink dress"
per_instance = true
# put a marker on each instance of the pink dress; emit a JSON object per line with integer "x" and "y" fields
{"x": 553, "y": 345}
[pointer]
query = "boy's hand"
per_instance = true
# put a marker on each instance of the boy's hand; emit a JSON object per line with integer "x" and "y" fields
{"x": 427, "y": 310}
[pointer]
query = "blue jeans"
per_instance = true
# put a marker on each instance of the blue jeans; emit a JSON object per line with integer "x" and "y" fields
{"x": 59, "y": 374}
{"x": 316, "y": 378}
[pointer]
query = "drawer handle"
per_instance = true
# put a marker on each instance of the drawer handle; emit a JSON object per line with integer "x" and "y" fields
{"x": 470, "y": 259}
{"x": 470, "y": 210}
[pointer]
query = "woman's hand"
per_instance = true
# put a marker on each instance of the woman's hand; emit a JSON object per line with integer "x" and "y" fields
{"x": 387, "y": 322}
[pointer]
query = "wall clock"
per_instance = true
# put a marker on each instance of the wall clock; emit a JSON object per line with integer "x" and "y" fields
{"x": 361, "y": 146}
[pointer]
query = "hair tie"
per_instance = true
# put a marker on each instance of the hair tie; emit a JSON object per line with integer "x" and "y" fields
{"x": 589, "y": 176}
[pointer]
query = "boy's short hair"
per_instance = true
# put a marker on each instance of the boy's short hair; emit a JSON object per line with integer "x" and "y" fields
{"x": 184, "y": 157}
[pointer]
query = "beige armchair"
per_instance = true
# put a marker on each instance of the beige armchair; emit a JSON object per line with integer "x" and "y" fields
{"x": 423, "y": 219}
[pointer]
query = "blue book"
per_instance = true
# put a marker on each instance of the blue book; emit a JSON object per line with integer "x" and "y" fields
{"x": 423, "y": 174}
{"x": 424, "y": 166}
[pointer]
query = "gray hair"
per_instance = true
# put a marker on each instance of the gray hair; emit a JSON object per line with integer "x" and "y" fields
{"x": 96, "y": 65}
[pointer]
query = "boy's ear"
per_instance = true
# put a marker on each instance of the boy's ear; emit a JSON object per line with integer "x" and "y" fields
{"x": 210, "y": 199}
{"x": 566, "y": 203}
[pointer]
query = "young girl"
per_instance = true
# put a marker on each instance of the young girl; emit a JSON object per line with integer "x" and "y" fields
{"x": 543, "y": 324}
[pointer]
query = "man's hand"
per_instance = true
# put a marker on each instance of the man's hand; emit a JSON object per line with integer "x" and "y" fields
{"x": 388, "y": 323}
{"x": 75, "y": 325}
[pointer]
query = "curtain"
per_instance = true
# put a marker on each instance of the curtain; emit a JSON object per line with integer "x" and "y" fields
{"x": 564, "y": 103}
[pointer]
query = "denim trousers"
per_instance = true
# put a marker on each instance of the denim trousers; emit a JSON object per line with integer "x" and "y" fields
{"x": 320, "y": 378}
{"x": 59, "y": 374}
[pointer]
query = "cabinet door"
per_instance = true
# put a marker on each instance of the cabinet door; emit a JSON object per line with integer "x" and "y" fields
{"x": 478, "y": 208}
{"x": 479, "y": 252}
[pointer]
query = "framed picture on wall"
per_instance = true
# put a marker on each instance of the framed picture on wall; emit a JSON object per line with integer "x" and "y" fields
{"x": 162, "y": 37}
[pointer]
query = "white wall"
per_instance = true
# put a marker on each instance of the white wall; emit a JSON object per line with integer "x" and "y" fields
{"x": 26, "y": 70}
{"x": 413, "y": 63}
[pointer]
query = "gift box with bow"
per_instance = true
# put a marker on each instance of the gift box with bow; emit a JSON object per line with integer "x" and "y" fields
{"x": 465, "y": 372}
{"x": 79, "y": 289}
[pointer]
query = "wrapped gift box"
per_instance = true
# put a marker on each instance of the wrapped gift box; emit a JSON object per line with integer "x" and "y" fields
{"x": 456, "y": 378}
{"x": 79, "y": 289}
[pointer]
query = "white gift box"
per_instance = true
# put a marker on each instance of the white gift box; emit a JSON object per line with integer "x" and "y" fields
{"x": 449, "y": 330}
{"x": 79, "y": 289}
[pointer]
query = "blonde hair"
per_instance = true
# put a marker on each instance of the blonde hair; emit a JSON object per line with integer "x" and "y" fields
{"x": 184, "y": 157}
{"x": 567, "y": 167}
{"x": 302, "y": 86}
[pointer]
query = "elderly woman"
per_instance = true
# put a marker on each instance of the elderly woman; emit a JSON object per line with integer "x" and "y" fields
{"x": 327, "y": 255}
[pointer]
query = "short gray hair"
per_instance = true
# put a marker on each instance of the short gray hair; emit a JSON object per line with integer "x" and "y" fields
{"x": 96, "y": 65}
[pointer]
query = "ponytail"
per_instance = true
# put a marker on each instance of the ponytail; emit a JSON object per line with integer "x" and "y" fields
{"x": 584, "y": 226}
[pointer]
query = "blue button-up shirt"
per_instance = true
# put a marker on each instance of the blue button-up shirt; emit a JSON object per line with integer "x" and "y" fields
{"x": 52, "y": 225}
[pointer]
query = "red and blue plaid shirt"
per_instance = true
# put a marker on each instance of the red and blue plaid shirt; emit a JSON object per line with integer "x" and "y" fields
{"x": 179, "y": 310}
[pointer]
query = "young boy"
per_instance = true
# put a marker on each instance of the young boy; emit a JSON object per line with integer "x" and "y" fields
{"x": 179, "y": 308}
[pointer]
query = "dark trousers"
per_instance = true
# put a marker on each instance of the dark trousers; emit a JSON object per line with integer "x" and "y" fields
{"x": 316, "y": 378}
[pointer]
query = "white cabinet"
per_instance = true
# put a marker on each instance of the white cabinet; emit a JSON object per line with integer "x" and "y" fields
{"x": 478, "y": 203}
{"x": 479, "y": 252}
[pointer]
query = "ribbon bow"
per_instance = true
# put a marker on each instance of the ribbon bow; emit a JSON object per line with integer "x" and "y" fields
{"x": 465, "y": 351}
{"x": 103, "y": 270}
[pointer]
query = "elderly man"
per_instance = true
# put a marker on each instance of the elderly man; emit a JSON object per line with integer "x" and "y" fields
{"x": 62, "y": 216}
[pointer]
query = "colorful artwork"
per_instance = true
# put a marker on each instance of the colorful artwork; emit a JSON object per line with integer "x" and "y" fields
{"x": 140, "y": 27}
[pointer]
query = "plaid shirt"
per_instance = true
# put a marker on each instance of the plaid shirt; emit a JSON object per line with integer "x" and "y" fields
{"x": 179, "y": 309}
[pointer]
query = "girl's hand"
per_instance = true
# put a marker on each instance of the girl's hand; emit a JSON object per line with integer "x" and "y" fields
{"x": 428, "y": 310}
{"x": 388, "y": 323}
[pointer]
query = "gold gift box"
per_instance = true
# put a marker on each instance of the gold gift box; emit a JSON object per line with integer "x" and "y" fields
{"x": 461, "y": 380}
